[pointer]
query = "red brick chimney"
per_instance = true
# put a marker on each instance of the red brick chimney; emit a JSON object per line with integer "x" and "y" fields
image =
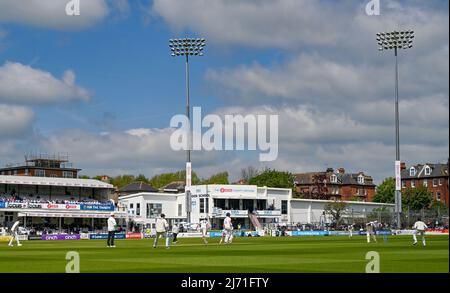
{"x": 402, "y": 166}
{"x": 341, "y": 171}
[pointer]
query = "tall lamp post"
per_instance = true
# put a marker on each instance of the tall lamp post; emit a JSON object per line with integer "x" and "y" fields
{"x": 187, "y": 47}
{"x": 396, "y": 40}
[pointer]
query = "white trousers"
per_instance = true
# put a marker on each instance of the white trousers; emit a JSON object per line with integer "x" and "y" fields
{"x": 371, "y": 235}
{"x": 16, "y": 237}
{"x": 422, "y": 233}
{"x": 228, "y": 236}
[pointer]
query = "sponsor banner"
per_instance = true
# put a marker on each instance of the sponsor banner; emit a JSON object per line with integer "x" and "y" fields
{"x": 215, "y": 234}
{"x": 51, "y": 206}
{"x": 84, "y": 236}
{"x": 96, "y": 207}
{"x": 61, "y": 237}
{"x": 398, "y": 179}
{"x": 2, "y": 204}
{"x": 309, "y": 233}
{"x": 339, "y": 233}
{"x": 403, "y": 232}
{"x": 133, "y": 236}
{"x": 239, "y": 190}
{"x": 34, "y": 237}
{"x": 435, "y": 231}
{"x": 189, "y": 235}
{"x": 105, "y": 236}
{"x": 268, "y": 213}
{"x": 16, "y": 205}
{"x": 22, "y": 237}
{"x": 381, "y": 232}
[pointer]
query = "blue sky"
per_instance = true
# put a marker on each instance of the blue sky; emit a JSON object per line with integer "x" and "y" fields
{"x": 314, "y": 63}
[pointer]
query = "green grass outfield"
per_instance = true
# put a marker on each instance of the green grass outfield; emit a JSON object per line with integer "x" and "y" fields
{"x": 258, "y": 255}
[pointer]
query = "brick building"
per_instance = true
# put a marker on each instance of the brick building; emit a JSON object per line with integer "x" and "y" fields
{"x": 43, "y": 166}
{"x": 337, "y": 184}
{"x": 434, "y": 177}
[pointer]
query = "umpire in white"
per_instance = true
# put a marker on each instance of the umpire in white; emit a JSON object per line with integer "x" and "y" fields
{"x": 111, "y": 230}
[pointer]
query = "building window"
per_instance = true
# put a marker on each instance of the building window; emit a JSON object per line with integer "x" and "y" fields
{"x": 412, "y": 171}
{"x": 67, "y": 174}
{"x": 438, "y": 196}
{"x": 403, "y": 184}
{"x": 138, "y": 209}
{"x": 284, "y": 207}
{"x": 361, "y": 179}
{"x": 131, "y": 206}
{"x": 440, "y": 181}
{"x": 425, "y": 183}
{"x": 180, "y": 210}
{"x": 202, "y": 205}
{"x": 435, "y": 182}
{"x": 154, "y": 210}
{"x": 207, "y": 205}
{"x": 39, "y": 173}
{"x": 413, "y": 183}
{"x": 26, "y": 172}
{"x": 333, "y": 178}
{"x": 15, "y": 172}
{"x": 427, "y": 171}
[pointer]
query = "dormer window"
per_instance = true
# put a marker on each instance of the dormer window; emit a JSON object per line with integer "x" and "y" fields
{"x": 412, "y": 171}
{"x": 427, "y": 171}
{"x": 333, "y": 178}
{"x": 361, "y": 179}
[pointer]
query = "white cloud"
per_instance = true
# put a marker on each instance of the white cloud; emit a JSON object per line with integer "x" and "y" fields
{"x": 52, "y": 13}
{"x": 14, "y": 121}
{"x": 23, "y": 84}
{"x": 263, "y": 23}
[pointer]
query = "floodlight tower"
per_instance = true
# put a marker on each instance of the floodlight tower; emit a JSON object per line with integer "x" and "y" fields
{"x": 187, "y": 47}
{"x": 396, "y": 40}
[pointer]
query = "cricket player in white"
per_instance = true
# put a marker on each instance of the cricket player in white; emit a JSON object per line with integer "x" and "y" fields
{"x": 350, "y": 230}
{"x": 161, "y": 230}
{"x": 15, "y": 234}
{"x": 419, "y": 227}
{"x": 228, "y": 227}
{"x": 204, "y": 226}
{"x": 371, "y": 231}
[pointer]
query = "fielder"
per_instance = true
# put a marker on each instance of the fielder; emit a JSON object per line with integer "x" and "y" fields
{"x": 419, "y": 227}
{"x": 204, "y": 226}
{"x": 15, "y": 234}
{"x": 371, "y": 231}
{"x": 228, "y": 227}
{"x": 350, "y": 231}
{"x": 161, "y": 230}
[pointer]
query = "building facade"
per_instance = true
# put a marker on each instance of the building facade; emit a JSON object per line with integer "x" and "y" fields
{"x": 337, "y": 184}
{"x": 434, "y": 177}
{"x": 43, "y": 166}
{"x": 243, "y": 202}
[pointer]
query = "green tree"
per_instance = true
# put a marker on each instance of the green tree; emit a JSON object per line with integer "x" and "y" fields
{"x": 385, "y": 191}
{"x": 439, "y": 207}
{"x": 416, "y": 198}
{"x": 335, "y": 209}
{"x": 273, "y": 178}
{"x": 84, "y": 177}
{"x": 161, "y": 180}
{"x": 122, "y": 180}
{"x": 219, "y": 178}
{"x": 142, "y": 178}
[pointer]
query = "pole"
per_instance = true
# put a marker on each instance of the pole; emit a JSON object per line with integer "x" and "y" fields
{"x": 398, "y": 195}
{"x": 188, "y": 151}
